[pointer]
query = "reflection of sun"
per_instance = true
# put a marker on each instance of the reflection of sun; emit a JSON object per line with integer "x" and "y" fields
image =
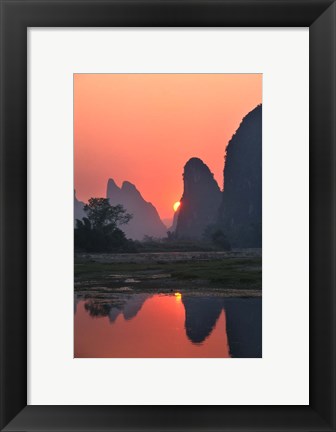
{"x": 176, "y": 205}
{"x": 178, "y": 296}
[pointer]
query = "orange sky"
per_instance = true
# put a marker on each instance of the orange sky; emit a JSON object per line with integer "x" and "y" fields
{"x": 144, "y": 127}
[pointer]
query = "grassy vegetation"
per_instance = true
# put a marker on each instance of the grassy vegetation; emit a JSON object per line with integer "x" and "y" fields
{"x": 238, "y": 273}
{"x": 228, "y": 271}
{"x": 175, "y": 246}
{"x": 95, "y": 269}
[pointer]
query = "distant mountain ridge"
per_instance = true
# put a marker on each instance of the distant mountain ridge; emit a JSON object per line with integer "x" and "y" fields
{"x": 146, "y": 220}
{"x": 79, "y": 212}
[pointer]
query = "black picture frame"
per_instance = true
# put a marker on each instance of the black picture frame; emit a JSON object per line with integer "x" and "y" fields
{"x": 16, "y": 17}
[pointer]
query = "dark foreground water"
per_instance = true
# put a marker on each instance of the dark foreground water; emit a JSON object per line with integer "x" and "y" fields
{"x": 161, "y": 325}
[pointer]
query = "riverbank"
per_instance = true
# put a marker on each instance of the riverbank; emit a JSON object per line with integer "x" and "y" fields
{"x": 229, "y": 274}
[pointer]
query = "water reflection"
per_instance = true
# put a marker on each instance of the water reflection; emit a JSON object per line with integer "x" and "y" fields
{"x": 244, "y": 326}
{"x": 177, "y": 325}
{"x": 243, "y": 322}
{"x": 201, "y": 314}
{"x": 127, "y": 305}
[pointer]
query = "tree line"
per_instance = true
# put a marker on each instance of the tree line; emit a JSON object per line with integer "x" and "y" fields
{"x": 100, "y": 230}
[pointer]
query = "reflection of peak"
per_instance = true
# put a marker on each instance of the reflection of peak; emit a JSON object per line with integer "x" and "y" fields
{"x": 128, "y": 305}
{"x": 113, "y": 314}
{"x": 240, "y": 318}
{"x": 243, "y": 322}
{"x": 128, "y": 308}
{"x": 201, "y": 314}
{"x": 244, "y": 326}
{"x": 134, "y": 304}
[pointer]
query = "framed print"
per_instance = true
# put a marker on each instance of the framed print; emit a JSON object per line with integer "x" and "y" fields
{"x": 167, "y": 208}
{"x": 189, "y": 285}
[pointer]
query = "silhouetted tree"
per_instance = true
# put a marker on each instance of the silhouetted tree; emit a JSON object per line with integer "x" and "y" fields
{"x": 101, "y": 214}
{"x": 99, "y": 231}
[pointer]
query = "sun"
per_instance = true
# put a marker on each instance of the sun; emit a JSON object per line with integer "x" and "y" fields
{"x": 176, "y": 205}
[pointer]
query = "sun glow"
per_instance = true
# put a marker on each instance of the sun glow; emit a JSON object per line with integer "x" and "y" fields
{"x": 176, "y": 205}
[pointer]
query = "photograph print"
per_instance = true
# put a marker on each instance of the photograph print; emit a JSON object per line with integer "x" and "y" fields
{"x": 167, "y": 215}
